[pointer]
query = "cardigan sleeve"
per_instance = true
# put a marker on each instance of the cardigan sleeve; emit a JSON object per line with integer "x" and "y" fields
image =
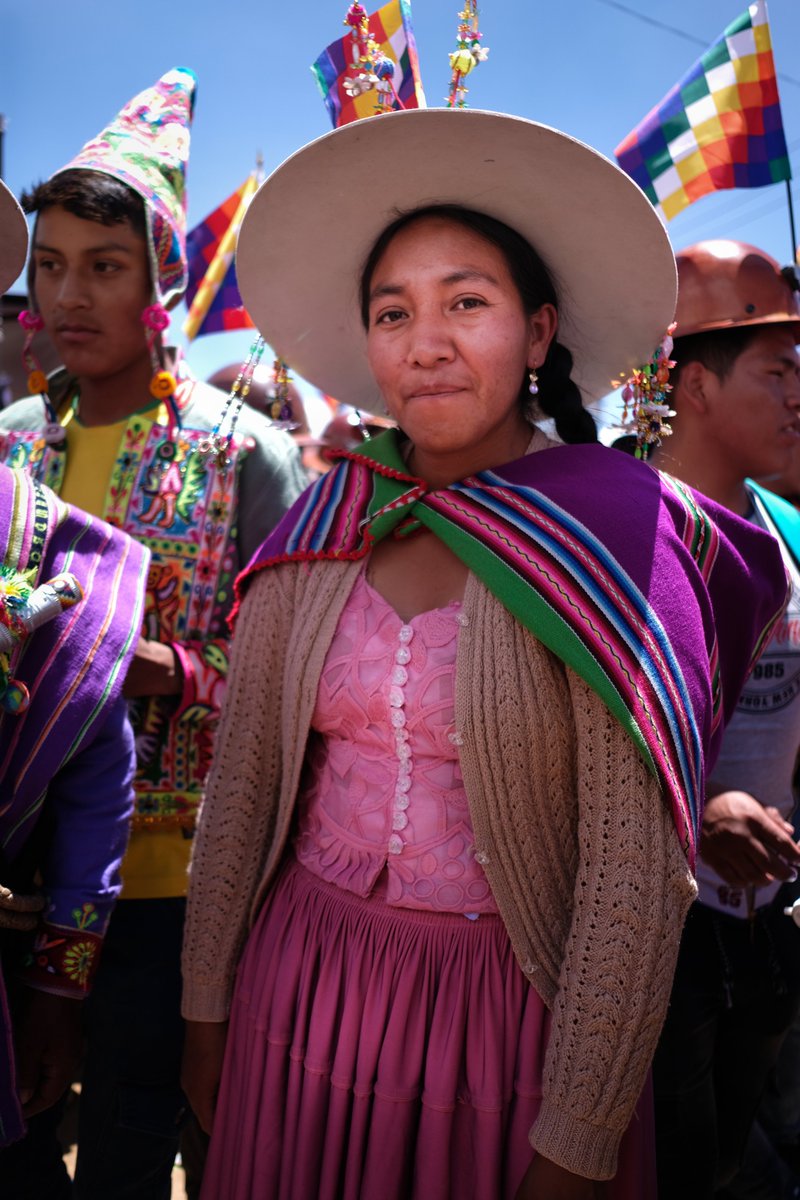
{"x": 283, "y": 631}
{"x": 237, "y": 815}
{"x": 632, "y": 890}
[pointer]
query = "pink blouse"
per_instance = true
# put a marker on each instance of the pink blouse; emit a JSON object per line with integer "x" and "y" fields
{"x": 382, "y": 806}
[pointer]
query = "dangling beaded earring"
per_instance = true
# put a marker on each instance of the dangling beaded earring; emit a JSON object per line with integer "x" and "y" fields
{"x": 32, "y": 322}
{"x": 533, "y": 386}
{"x": 155, "y": 319}
{"x": 279, "y": 410}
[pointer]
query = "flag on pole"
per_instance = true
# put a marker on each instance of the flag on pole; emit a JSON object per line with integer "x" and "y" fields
{"x": 719, "y": 127}
{"x": 338, "y": 75}
{"x": 212, "y": 296}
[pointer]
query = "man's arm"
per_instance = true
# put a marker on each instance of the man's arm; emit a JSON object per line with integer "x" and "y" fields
{"x": 155, "y": 670}
{"x": 747, "y": 844}
{"x": 88, "y": 807}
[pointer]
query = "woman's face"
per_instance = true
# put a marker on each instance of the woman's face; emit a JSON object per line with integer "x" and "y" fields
{"x": 449, "y": 344}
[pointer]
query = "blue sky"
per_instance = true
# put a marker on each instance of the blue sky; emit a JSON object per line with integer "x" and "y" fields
{"x": 593, "y": 68}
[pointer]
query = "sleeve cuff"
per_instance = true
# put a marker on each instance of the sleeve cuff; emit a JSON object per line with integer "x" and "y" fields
{"x": 62, "y": 961}
{"x": 205, "y": 1002}
{"x": 204, "y": 666}
{"x": 576, "y": 1145}
{"x": 187, "y": 670}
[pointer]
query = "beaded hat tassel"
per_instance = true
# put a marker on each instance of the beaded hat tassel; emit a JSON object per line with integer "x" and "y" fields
{"x": 370, "y": 69}
{"x": 163, "y": 384}
{"x": 645, "y": 399}
{"x": 217, "y": 445}
{"x": 32, "y": 322}
{"x": 467, "y": 55}
{"x": 280, "y": 406}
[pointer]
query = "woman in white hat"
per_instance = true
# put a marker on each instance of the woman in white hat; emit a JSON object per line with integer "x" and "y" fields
{"x": 448, "y": 839}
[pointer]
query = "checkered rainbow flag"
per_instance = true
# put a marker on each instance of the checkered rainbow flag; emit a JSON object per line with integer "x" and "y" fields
{"x": 720, "y": 127}
{"x": 390, "y": 28}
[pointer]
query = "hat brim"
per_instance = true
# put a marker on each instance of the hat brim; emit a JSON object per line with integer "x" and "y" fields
{"x": 310, "y": 226}
{"x": 733, "y": 323}
{"x": 13, "y": 238}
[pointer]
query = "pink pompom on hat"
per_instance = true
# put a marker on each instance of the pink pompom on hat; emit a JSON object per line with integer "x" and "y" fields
{"x": 146, "y": 146}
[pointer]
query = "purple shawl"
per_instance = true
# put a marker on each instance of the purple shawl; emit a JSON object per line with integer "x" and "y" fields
{"x": 74, "y": 668}
{"x": 659, "y": 598}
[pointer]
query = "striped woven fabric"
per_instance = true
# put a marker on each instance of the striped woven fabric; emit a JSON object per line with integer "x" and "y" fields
{"x": 623, "y": 575}
{"x": 75, "y": 665}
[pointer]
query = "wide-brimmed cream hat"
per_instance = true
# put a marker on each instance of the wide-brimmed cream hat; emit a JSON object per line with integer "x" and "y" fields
{"x": 312, "y": 223}
{"x": 13, "y": 238}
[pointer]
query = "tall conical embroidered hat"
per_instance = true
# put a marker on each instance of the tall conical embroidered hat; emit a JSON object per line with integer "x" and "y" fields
{"x": 146, "y": 146}
{"x": 13, "y": 238}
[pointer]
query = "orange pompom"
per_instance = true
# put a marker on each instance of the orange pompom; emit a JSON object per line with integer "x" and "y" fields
{"x": 162, "y": 385}
{"x": 37, "y": 382}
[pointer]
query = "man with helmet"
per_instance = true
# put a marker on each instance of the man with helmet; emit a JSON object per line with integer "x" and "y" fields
{"x": 736, "y": 394}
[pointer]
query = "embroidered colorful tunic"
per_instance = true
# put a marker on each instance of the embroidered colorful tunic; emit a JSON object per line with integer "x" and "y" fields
{"x": 67, "y": 760}
{"x": 623, "y": 573}
{"x": 200, "y": 524}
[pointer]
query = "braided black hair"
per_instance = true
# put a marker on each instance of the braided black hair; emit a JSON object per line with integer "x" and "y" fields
{"x": 558, "y": 397}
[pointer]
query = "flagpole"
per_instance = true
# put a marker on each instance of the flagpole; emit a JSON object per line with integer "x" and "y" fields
{"x": 791, "y": 220}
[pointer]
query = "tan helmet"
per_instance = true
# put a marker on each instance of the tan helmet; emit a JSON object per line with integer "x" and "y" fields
{"x": 725, "y": 284}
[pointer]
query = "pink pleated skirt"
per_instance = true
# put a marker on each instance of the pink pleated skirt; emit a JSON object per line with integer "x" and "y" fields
{"x": 378, "y": 1053}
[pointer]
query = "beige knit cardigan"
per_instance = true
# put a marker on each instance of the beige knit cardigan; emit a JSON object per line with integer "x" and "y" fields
{"x": 575, "y": 838}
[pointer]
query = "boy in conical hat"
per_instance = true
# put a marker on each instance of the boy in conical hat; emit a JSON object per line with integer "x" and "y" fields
{"x": 71, "y": 603}
{"x": 120, "y": 433}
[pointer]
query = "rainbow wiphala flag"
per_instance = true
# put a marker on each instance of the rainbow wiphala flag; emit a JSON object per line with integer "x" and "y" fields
{"x": 720, "y": 127}
{"x": 391, "y": 28}
{"x": 212, "y": 296}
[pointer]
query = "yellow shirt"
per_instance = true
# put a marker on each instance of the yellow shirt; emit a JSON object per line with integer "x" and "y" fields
{"x": 157, "y": 862}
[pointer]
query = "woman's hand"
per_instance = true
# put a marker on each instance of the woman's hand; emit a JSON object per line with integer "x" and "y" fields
{"x": 203, "y": 1052}
{"x": 545, "y": 1180}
